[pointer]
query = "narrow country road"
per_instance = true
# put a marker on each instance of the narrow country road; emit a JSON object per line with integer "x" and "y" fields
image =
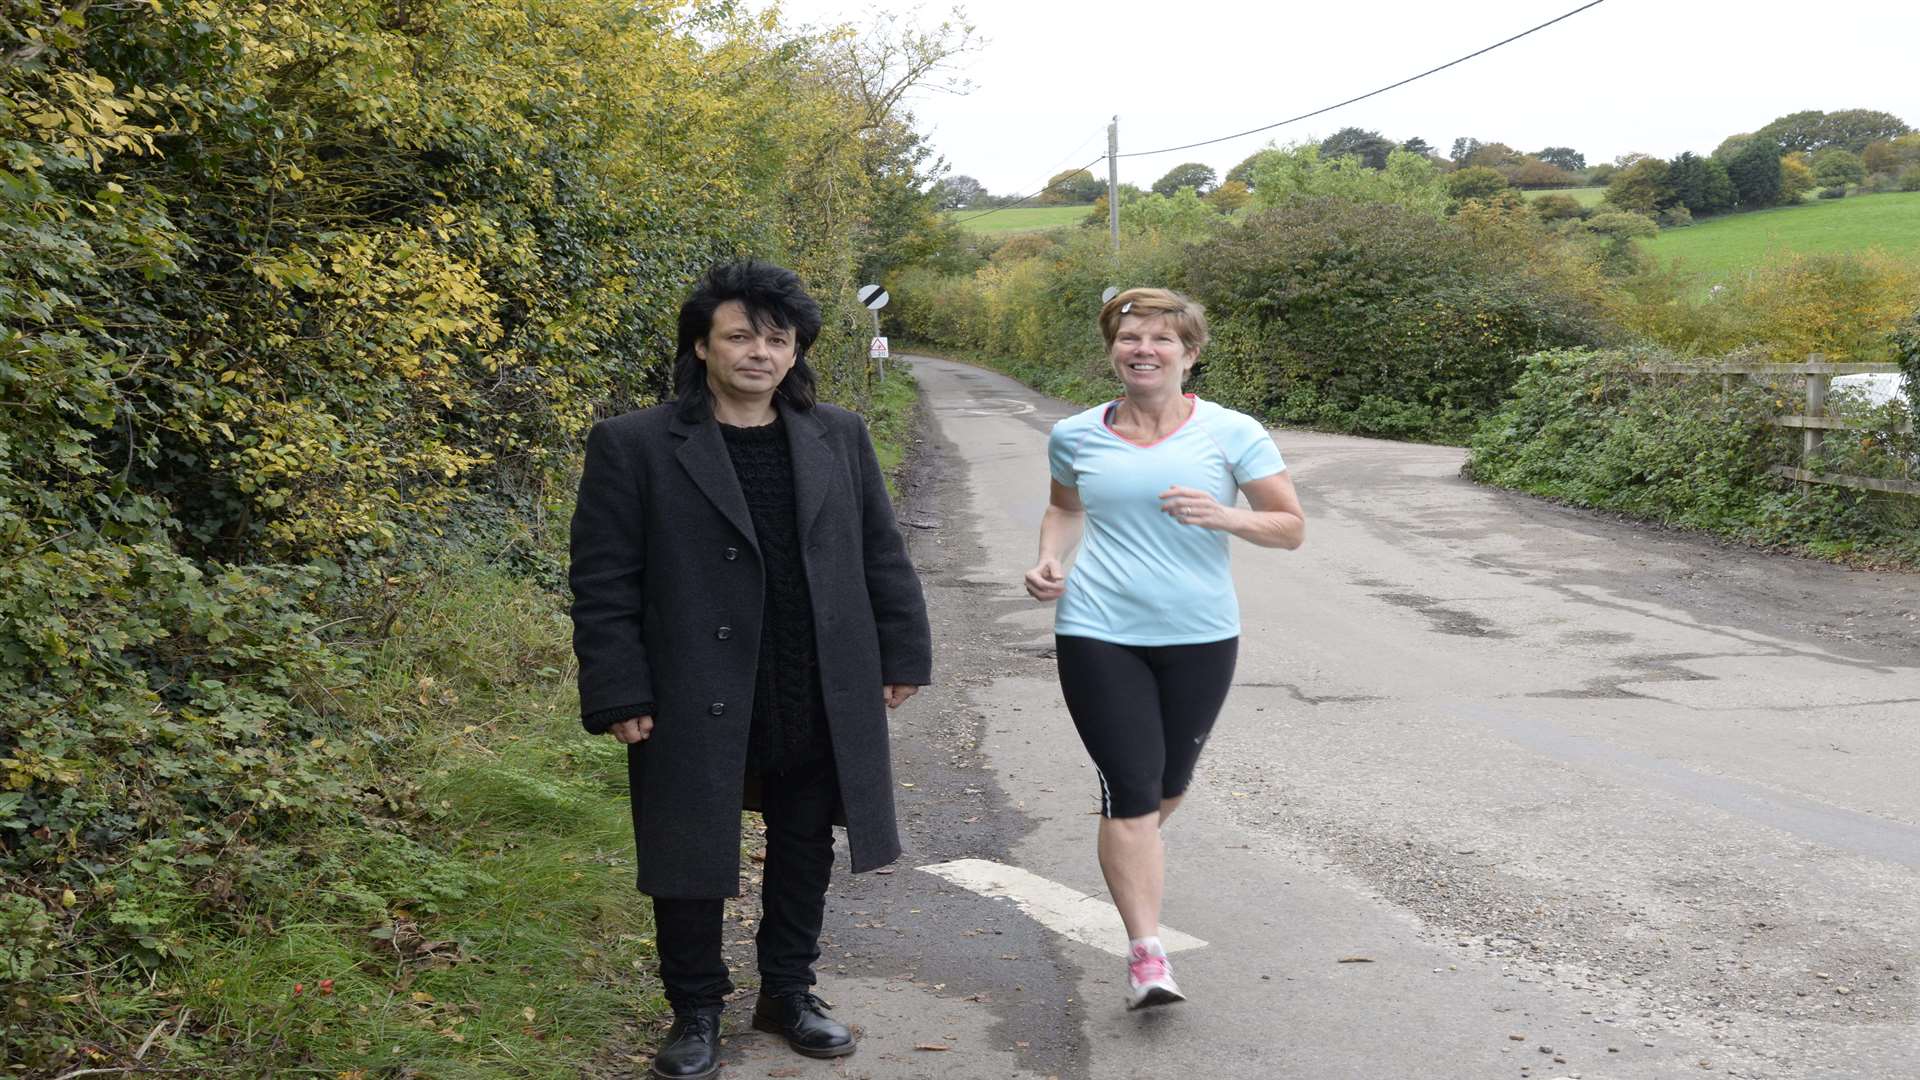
{"x": 1503, "y": 790}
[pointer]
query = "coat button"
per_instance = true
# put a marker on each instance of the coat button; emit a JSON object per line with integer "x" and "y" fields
{"x": 723, "y": 633}
{"x": 732, "y": 554}
{"x": 717, "y": 708}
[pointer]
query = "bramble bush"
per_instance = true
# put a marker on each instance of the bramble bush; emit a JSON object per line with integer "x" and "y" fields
{"x": 1590, "y": 427}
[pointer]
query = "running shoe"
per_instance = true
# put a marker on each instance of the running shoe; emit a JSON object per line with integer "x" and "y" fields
{"x": 1150, "y": 981}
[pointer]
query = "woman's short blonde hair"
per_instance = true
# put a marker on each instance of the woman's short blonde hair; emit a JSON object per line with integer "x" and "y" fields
{"x": 1187, "y": 318}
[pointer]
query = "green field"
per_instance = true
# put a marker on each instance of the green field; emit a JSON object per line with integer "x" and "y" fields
{"x": 1020, "y": 218}
{"x": 1585, "y": 196}
{"x": 1721, "y": 247}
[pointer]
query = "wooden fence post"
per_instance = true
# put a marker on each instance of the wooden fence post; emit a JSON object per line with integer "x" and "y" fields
{"x": 1813, "y": 439}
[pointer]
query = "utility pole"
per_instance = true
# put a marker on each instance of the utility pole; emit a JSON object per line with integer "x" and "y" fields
{"x": 1113, "y": 182}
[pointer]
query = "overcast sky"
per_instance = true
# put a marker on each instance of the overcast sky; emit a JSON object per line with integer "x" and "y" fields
{"x": 1654, "y": 76}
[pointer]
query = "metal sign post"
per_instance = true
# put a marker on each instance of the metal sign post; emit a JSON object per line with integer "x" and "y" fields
{"x": 876, "y": 298}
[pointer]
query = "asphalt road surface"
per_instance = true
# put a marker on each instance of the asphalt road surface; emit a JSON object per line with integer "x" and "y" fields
{"x": 1503, "y": 789}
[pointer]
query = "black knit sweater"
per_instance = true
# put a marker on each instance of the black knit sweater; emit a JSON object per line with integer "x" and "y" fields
{"x": 789, "y": 714}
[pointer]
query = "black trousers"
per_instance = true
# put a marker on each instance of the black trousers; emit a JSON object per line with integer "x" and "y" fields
{"x": 798, "y": 805}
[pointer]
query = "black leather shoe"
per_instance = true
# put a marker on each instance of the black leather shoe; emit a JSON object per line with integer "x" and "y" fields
{"x": 692, "y": 1050}
{"x": 802, "y": 1019}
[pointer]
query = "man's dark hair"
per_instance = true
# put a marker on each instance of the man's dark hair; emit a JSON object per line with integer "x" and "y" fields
{"x": 772, "y": 295}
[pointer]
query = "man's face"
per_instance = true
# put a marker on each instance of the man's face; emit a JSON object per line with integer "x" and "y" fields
{"x": 744, "y": 363}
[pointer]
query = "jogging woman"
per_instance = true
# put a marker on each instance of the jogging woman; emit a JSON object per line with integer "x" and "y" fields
{"x": 1148, "y": 625}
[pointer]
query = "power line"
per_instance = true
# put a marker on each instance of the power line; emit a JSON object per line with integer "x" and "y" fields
{"x": 1295, "y": 119}
{"x": 1373, "y": 93}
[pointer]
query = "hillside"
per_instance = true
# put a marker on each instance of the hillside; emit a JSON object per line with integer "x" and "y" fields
{"x": 1719, "y": 247}
{"x": 1019, "y": 218}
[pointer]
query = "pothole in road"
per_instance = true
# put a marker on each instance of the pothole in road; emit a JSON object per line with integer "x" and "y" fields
{"x": 1636, "y": 669}
{"x": 1446, "y": 620}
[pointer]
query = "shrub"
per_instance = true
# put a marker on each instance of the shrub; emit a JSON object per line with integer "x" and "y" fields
{"x": 1621, "y": 228}
{"x": 1558, "y": 208}
{"x": 1644, "y": 187}
{"x": 1030, "y": 245}
{"x": 1834, "y": 167}
{"x": 1183, "y": 215}
{"x": 1838, "y": 191}
{"x": 1840, "y": 305}
{"x": 1796, "y": 178}
{"x": 1588, "y": 427}
{"x": 1910, "y": 180}
{"x": 1905, "y": 339}
{"x": 1372, "y": 318}
{"x": 1229, "y": 196}
{"x": 1534, "y": 173}
{"x": 1280, "y": 177}
{"x": 1674, "y": 217}
{"x": 1475, "y": 182}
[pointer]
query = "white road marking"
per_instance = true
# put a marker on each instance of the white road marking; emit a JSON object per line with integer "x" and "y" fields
{"x": 1089, "y": 920}
{"x": 993, "y": 406}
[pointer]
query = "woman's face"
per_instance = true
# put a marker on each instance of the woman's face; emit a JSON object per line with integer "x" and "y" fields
{"x": 1148, "y": 354}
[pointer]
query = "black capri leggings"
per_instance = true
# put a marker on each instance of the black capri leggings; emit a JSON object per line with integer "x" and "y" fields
{"x": 1144, "y": 712}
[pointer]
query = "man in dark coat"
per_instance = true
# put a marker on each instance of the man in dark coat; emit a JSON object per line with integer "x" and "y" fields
{"x": 745, "y": 614}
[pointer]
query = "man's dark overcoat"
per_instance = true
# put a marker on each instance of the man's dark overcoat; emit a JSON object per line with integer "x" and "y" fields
{"x": 668, "y": 597}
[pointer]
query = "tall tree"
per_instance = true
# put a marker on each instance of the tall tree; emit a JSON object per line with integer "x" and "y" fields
{"x": 1071, "y": 186}
{"x": 1493, "y": 155}
{"x": 1368, "y": 146}
{"x": 1417, "y": 145}
{"x": 958, "y": 192}
{"x": 1755, "y": 172}
{"x": 1563, "y": 157}
{"x": 1644, "y": 187}
{"x": 1462, "y": 147}
{"x": 1190, "y": 174}
{"x": 1848, "y": 129}
{"x": 1243, "y": 172}
{"x": 1700, "y": 184}
{"x": 877, "y": 68}
{"x": 1852, "y": 129}
{"x": 1798, "y": 131}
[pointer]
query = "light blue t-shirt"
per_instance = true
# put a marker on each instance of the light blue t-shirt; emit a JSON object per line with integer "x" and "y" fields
{"x": 1143, "y": 578}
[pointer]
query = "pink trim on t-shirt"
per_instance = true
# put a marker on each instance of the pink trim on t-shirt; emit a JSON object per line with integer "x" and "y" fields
{"x": 1106, "y": 417}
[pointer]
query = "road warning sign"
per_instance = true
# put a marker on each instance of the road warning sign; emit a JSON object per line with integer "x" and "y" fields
{"x": 878, "y": 350}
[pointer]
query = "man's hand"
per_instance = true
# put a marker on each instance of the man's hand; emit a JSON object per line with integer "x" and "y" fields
{"x": 633, "y": 730}
{"x": 896, "y": 693}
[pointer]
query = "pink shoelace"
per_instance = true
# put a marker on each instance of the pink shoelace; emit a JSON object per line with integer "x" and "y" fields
{"x": 1146, "y": 968}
